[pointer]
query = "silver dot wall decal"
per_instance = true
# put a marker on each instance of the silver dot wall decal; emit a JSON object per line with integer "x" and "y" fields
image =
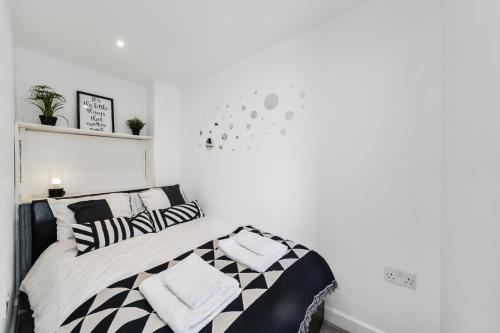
{"x": 271, "y": 101}
{"x": 220, "y": 126}
{"x": 209, "y": 144}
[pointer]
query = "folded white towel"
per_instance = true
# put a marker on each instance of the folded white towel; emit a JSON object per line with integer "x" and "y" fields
{"x": 178, "y": 316}
{"x": 194, "y": 281}
{"x": 248, "y": 258}
{"x": 258, "y": 244}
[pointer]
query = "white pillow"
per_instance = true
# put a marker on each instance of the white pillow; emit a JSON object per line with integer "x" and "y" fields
{"x": 119, "y": 203}
{"x": 136, "y": 203}
{"x": 154, "y": 198}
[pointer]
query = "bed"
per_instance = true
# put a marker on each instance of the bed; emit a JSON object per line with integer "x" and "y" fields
{"x": 97, "y": 292}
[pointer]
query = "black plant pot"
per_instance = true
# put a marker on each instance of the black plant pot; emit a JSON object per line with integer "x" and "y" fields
{"x": 51, "y": 121}
{"x": 136, "y": 132}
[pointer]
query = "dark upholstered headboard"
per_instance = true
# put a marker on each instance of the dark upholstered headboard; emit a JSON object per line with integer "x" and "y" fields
{"x": 37, "y": 231}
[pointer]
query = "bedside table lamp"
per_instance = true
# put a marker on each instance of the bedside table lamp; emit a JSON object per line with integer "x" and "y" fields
{"x": 56, "y": 190}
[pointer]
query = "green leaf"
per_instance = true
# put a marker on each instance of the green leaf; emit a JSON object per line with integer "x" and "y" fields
{"x": 46, "y": 99}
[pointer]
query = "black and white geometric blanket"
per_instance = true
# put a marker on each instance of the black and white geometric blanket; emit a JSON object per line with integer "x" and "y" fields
{"x": 275, "y": 301}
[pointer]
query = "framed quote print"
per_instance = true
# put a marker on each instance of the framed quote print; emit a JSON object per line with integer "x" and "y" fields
{"x": 95, "y": 113}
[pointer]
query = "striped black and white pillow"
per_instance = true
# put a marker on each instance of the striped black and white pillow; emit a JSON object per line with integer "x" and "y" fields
{"x": 95, "y": 235}
{"x": 164, "y": 218}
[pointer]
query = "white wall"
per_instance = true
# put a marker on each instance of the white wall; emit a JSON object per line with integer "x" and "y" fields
{"x": 358, "y": 173}
{"x": 380, "y": 148}
{"x": 471, "y": 255}
{"x": 7, "y": 160}
{"x": 164, "y": 107}
{"x": 34, "y": 68}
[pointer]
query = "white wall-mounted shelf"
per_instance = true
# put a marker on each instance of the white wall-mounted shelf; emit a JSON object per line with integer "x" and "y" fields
{"x": 76, "y": 131}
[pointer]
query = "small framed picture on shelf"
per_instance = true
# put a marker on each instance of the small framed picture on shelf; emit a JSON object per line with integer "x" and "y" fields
{"x": 95, "y": 113}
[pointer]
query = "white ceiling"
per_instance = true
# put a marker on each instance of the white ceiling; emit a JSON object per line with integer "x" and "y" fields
{"x": 173, "y": 41}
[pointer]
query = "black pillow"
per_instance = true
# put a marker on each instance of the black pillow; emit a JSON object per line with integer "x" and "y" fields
{"x": 91, "y": 210}
{"x": 174, "y": 195}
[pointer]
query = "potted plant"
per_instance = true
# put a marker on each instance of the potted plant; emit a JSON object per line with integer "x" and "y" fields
{"x": 135, "y": 125}
{"x": 48, "y": 101}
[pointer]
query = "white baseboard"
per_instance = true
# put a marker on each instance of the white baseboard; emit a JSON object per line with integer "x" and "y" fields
{"x": 348, "y": 323}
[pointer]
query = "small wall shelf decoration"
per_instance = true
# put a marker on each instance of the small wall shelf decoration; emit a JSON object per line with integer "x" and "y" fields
{"x": 136, "y": 125}
{"x": 95, "y": 113}
{"x": 48, "y": 103}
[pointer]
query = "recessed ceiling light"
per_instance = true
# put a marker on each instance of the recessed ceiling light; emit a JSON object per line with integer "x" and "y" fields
{"x": 119, "y": 43}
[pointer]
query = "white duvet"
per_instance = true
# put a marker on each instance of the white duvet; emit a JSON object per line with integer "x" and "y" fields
{"x": 59, "y": 282}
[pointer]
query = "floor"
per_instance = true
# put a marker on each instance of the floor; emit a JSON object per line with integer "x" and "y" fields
{"x": 330, "y": 328}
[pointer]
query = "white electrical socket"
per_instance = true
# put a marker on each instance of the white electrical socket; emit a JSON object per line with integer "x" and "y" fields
{"x": 405, "y": 279}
